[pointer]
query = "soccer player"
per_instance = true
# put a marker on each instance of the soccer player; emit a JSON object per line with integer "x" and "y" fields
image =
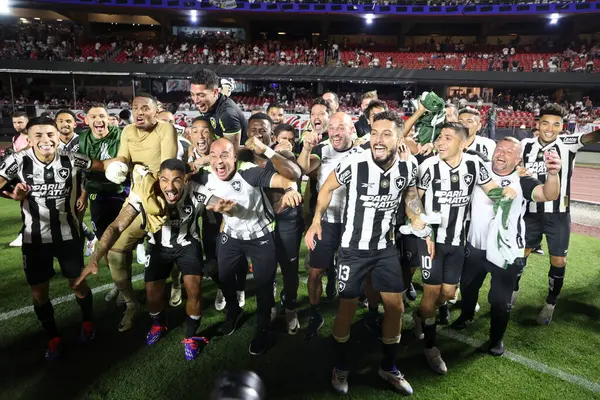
{"x": 506, "y": 158}
{"x": 177, "y": 241}
{"x": 225, "y": 116}
{"x": 552, "y": 218}
{"x": 375, "y": 181}
{"x": 289, "y": 224}
{"x": 51, "y": 228}
{"x": 19, "y": 142}
{"x": 471, "y": 118}
{"x": 446, "y": 184}
{"x": 247, "y": 233}
{"x": 276, "y": 112}
{"x": 148, "y": 142}
{"x": 332, "y": 100}
{"x": 322, "y": 159}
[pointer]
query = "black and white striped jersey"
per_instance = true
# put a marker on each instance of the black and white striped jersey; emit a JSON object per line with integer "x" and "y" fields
{"x": 181, "y": 226}
{"x": 48, "y": 212}
{"x": 253, "y": 216}
{"x": 330, "y": 159}
{"x": 373, "y": 198}
{"x": 483, "y": 145}
{"x": 449, "y": 191}
{"x": 73, "y": 144}
{"x": 533, "y": 157}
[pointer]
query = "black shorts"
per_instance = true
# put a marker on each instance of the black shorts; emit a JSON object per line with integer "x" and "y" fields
{"x": 38, "y": 260}
{"x": 354, "y": 265}
{"x": 159, "y": 261}
{"x": 411, "y": 249}
{"x": 104, "y": 209}
{"x": 325, "y": 250}
{"x": 556, "y": 227}
{"x": 446, "y": 267}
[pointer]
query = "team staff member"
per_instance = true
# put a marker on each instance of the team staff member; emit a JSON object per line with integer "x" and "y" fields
{"x": 471, "y": 118}
{"x": 505, "y": 160}
{"x": 51, "y": 227}
{"x": 247, "y": 233}
{"x": 552, "y": 218}
{"x": 446, "y": 184}
{"x": 147, "y": 142}
{"x": 177, "y": 241}
{"x": 225, "y": 116}
{"x": 367, "y": 248}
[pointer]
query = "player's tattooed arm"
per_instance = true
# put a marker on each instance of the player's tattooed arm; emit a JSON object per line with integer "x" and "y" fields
{"x": 113, "y": 232}
{"x": 323, "y": 201}
{"x": 414, "y": 207}
{"x": 591, "y": 137}
{"x": 217, "y": 204}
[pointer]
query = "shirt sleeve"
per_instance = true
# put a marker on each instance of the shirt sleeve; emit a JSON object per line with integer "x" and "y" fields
{"x": 425, "y": 176}
{"x": 572, "y": 142}
{"x": 230, "y": 123}
{"x": 9, "y": 168}
{"x": 80, "y": 161}
{"x": 317, "y": 151}
{"x": 168, "y": 143}
{"x": 413, "y": 170}
{"x": 124, "y": 145}
{"x": 343, "y": 171}
{"x": 201, "y": 193}
{"x": 483, "y": 173}
{"x": 528, "y": 185}
{"x": 257, "y": 176}
{"x": 201, "y": 177}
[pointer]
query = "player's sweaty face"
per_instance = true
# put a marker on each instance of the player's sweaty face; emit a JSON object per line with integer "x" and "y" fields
{"x": 448, "y": 144}
{"x": 144, "y": 113}
{"x": 222, "y": 159}
{"x": 261, "y": 129}
{"x": 97, "y": 120}
{"x": 472, "y": 122}
{"x": 506, "y": 157}
{"x": 549, "y": 126}
{"x": 319, "y": 118}
{"x": 171, "y": 185}
{"x": 340, "y": 132}
{"x": 65, "y": 123}
{"x": 276, "y": 115}
{"x": 203, "y": 97}
{"x": 201, "y": 137}
{"x": 44, "y": 141}
{"x": 384, "y": 141}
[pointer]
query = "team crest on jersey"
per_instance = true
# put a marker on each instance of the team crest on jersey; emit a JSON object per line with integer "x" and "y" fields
{"x": 407, "y": 255}
{"x": 224, "y": 238}
{"x": 540, "y": 155}
{"x": 341, "y": 286}
{"x": 400, "y": 182}
{"x": 237, "y": 186}
{"x": 505, "y": 182}
{"x": 188, "y": 210}
{"x": 454, "y": 178}
{"x": 213, "y": 122}
{"x": 64, "y": 173}
{"x": 468, "y": 178}
{"x": 385, "y": 184}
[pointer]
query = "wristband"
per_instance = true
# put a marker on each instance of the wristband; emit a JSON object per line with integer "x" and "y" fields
{"x": 293, "y": 187}
{"x": 269, "y": 152}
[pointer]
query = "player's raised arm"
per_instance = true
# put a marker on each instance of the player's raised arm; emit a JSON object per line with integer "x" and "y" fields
{"x": 307, "y": 160}
{"x": 550, "y": 190}
{"x": 285, "y": 167}
{"x": 591, "y": 137}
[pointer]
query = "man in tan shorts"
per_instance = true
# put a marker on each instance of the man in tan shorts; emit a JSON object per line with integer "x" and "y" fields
{"x": 149, "y": 142}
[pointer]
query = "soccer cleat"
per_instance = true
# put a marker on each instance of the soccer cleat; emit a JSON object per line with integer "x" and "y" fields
{"x": 513, "y": 298}
{"x": 291, "y": 319}
{"x": 121, "y": 300}
{"x": 411, "y": 293}
{"x": 339, "y": 381}
{"x": 89, "y": 248}
{"x": 434, "y": 358}
{"x": 477, "y": 307}
{"x": 175, "y": 295}
{"x": 545, "y": 315}
{"x": 220, "y": 301}
{"x": 127, "y": 320}
{"x": 496, "y": 348}
{"x": 418, "y": 329}
{"x": 331, "y": 290}
{"x": 140, "y": 252}
{"x": 88, "y": 332}
{"x": 18, "y": 242}
{"x": 397, "y": 380}
{"x": 258, "y": 345}
{"x": 461, "y": 323}
{"x": 454, "y": 300}
{"x": 314, "y": 324}
{"x": 241, "y": 298}
{"x": 155, "y": 333}
{"x": 538, "y": 250}
{"x": 444, "y": 315}
{"x": 53, "y": 349}
{"x": 111, "y": 294}
{"x": 230, "y": 324}
{"x": 191, "y": 346}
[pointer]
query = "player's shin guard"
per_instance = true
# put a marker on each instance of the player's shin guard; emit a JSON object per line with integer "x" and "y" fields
{"x": 390, "y": 349}
{"x": 556, "y": 278}
{"x": 430, "y": 332}
{"x": 341, "y": 352}
{"x": 86, "y": 305}
{"x": 192, "y": 323}
{"x": 45, "y": 314}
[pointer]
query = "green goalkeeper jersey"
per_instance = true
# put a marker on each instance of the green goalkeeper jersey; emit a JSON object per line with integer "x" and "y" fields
{"x": 100, "y": 149}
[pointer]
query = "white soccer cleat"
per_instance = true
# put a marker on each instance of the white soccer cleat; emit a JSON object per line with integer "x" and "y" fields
{"x": 397, "y": 380}
{"x": 127, "y": 320}
{"x": 454, "y": 300}
{"x": 434, "y": 358}
{"x": 291, "y": 319}
{"x": 477, "y": 307}
{"x": 220, "y": 301}
{"x": 513, "y": 298}
{"x": 111, "y": 294}
{"x": 89, "y": 248}
{"x": 545, "y": 315}
{"x": 140, "y": 252}
{"x": 175, "y": 295}
{"x": 339, "y": 381}
{"x": 18, "y": 242}
{"x": 241, "y": 298}
{"x": 418, "y": 329}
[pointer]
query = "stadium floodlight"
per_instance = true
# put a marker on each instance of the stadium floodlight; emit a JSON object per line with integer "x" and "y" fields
{"x": 369, "y": 18}
{"x": 4, "y": 7}
{"x": 554, "y": 18}
{"x": 194, "y": 15}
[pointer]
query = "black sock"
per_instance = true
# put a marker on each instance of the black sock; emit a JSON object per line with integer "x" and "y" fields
{"x": 498, "y": 323}
{"x": 516, "y": 288}
{"x": 85, "y": 303}
{"x": 341, "y": 355}
{"x": 388, "y": 362}
{"x": 430, "y": 332}
{"x": 191, "y": 326}
{"x": 45, "y": 314}
{"x": 556, "y": 278}
{"x": 159, "y": 318}
{"x": 89, "y": 235}
{"x": 314, "y": 310}
{"x": 374, "y": 310}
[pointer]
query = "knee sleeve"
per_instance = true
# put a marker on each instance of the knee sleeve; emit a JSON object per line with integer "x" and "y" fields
{"x": 120, "y": 266}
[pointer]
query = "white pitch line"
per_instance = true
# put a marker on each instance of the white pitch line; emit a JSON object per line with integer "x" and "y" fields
{"x": 527, "y": 362}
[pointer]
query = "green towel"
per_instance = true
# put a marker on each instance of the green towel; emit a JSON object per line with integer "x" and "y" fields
{"x": 502, "y": 248}
{"x": 429, "y": 126}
